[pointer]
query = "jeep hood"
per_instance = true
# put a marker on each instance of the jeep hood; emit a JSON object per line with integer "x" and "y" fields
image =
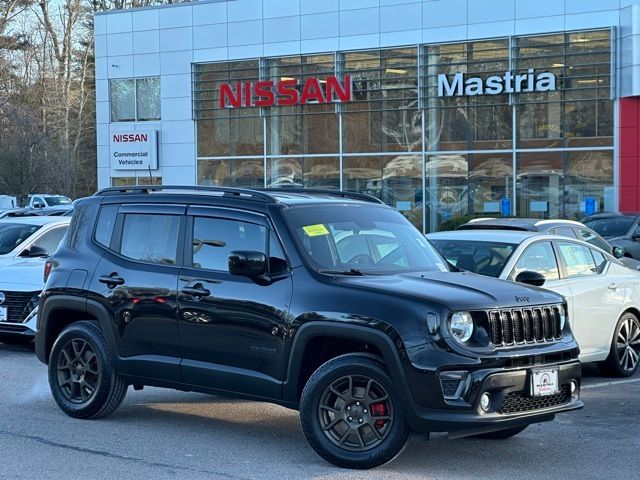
{"x": 457, "y": 291}
{"x": 22, "y": 275}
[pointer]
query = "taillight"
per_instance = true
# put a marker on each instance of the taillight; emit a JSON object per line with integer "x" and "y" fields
{"x": 47, "y": 269}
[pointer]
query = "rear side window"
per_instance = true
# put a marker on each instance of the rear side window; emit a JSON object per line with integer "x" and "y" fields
{"x": 150, "y": 238}
{"x": 578, "y": 260}
{"x": 106, "y": 222}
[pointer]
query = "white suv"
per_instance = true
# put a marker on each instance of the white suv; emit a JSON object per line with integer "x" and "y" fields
{"x": 24, "y": 245}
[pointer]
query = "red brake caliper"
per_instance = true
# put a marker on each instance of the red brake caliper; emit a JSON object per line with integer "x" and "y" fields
{"x": 378, "y": 410}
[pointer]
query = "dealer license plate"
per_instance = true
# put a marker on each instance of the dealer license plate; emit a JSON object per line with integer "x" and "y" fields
{"x": 4, "y": 314}
{"x": 544, "y": 382}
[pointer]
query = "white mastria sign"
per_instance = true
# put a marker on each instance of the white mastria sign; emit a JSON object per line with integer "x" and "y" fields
{"x": 461, "y": 85}
{"x": 136, "y": 150}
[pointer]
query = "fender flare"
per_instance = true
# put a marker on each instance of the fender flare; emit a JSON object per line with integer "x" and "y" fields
{"x": 376, "y": 338}
{"x": 93, "y": 308}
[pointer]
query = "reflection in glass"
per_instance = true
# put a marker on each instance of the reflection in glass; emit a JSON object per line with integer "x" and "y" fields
{"x": 539, "y": 184}
{"x": 123, "y": 100}
{"x": 148, "y": 98}
{"x": 460, "y": 185}
{"x": 242, "y": 173}
{"x": 308, "y": 172}
{"x": 397, "y": 181}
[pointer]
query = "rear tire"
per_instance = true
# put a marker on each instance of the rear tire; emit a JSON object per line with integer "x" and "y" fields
{"x": 501, "y": 434}
{"x": 82, "y": 379}
{"x": 351, "y": 414}
{"x": 15, "y": 340}
{"x": 624, "y": 353}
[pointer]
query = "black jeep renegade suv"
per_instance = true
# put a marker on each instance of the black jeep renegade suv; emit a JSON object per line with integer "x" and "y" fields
{"x": 326, "y": 302}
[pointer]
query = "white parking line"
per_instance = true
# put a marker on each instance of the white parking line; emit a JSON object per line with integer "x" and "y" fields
{"x": 605, "y": 384}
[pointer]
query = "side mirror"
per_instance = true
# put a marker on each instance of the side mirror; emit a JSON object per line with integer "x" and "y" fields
{"x": 247, "y": 264}
{"x": 618, "y": 252}
{"x": 34, "y": 252}
{"x": 531, "y": 278}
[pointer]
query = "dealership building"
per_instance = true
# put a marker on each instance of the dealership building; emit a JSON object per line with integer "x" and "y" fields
{"x": 441, "y": 108}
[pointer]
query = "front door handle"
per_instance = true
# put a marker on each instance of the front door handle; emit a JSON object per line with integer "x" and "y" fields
{"x": 111, "y": 280}
{"x": 197, "y": 291}
{"x": 613, "y": 286}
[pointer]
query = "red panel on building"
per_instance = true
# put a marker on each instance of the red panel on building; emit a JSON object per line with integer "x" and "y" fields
{"x": 629, "y": 154}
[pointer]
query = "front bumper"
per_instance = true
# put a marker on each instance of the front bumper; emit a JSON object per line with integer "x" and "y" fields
{"x": 26, "y": 329}
{"x": 469, "y": 419}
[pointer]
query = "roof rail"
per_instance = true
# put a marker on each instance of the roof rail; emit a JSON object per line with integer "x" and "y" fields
{"x": 334, "y": 193}
{"x": 244, "y": 193}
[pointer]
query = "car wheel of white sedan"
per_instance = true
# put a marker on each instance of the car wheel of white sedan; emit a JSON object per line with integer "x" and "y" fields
{"x": 625, "y": 348}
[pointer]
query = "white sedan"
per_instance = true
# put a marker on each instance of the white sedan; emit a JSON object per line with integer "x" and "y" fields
{"x": 603, "y": 296}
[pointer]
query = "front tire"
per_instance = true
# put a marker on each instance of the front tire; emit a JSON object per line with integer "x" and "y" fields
{"x": 82, "y": 379}
{"x": 350, "y": 413}
{"x": 501, "y": 434}
{"x": 624, "y": 354}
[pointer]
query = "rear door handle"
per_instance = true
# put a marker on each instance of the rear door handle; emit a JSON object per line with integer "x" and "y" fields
{"x": 196, "y": 291}
{"x": 111, "y": 280}
{"x": 613, "y": 286}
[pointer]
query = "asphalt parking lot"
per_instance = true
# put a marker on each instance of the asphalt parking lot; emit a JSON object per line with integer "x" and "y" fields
{"x": 158, "y": 434}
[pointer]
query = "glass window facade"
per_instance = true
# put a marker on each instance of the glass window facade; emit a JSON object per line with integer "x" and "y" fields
{"x": 136, "y": 99}
{"x": 434, "y": 157}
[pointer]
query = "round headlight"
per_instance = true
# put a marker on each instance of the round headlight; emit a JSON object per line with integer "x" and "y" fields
{"x": 461, "y": 326}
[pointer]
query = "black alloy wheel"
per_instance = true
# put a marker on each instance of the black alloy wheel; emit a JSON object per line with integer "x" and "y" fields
{"x": 78, "y": 371}
{"x": 82, "y": 378}
{"x": 355, "y": 413}
{"x": 351, "y": 414}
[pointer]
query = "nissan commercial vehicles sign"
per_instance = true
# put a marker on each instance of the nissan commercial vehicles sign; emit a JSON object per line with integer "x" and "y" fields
{"x": 137, "y": 150}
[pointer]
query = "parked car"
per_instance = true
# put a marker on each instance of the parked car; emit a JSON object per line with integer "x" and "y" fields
{"x": 24, "y": 244}
{"x": 620, "y": 230}
{"x": 7, "y": 202}
{"x": 603, "y": 296}
{"x": 18, "y": 212}
{"x": 564, "y": 228}
{"x": 20, "y": 288}
{"x": 46, "y": 203}
{"x": 323, "y": 301}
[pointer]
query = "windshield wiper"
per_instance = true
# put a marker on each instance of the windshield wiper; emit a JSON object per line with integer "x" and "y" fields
{"x": 353, "y": 271}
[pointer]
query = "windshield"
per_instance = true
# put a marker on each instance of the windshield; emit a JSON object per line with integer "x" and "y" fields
{"x": 55, "y": 201}
{"x": 484, "y": 258}
{"x": 610, "y": 227}
{"x": 13, "y": 234}
{"x": 362, "y": 239}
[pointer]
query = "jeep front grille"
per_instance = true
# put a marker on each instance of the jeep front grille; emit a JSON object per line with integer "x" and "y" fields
{"x": 509, "y": 327}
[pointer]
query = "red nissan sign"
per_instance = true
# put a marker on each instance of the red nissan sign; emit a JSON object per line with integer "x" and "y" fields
{"x": 287, "y": 91}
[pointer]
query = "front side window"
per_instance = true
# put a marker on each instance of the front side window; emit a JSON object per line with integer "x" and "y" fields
{"x": 357, "y": 239}
{"x": 151, "y": 238}
{"x": 540, "y": 258}
{"x": 577, "y": 260}
{"x": 215, "y": 238}
{"x": 135, "y": 99}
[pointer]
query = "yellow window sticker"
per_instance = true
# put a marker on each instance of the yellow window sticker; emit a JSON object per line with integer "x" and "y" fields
{"x": 315, "y": 230}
